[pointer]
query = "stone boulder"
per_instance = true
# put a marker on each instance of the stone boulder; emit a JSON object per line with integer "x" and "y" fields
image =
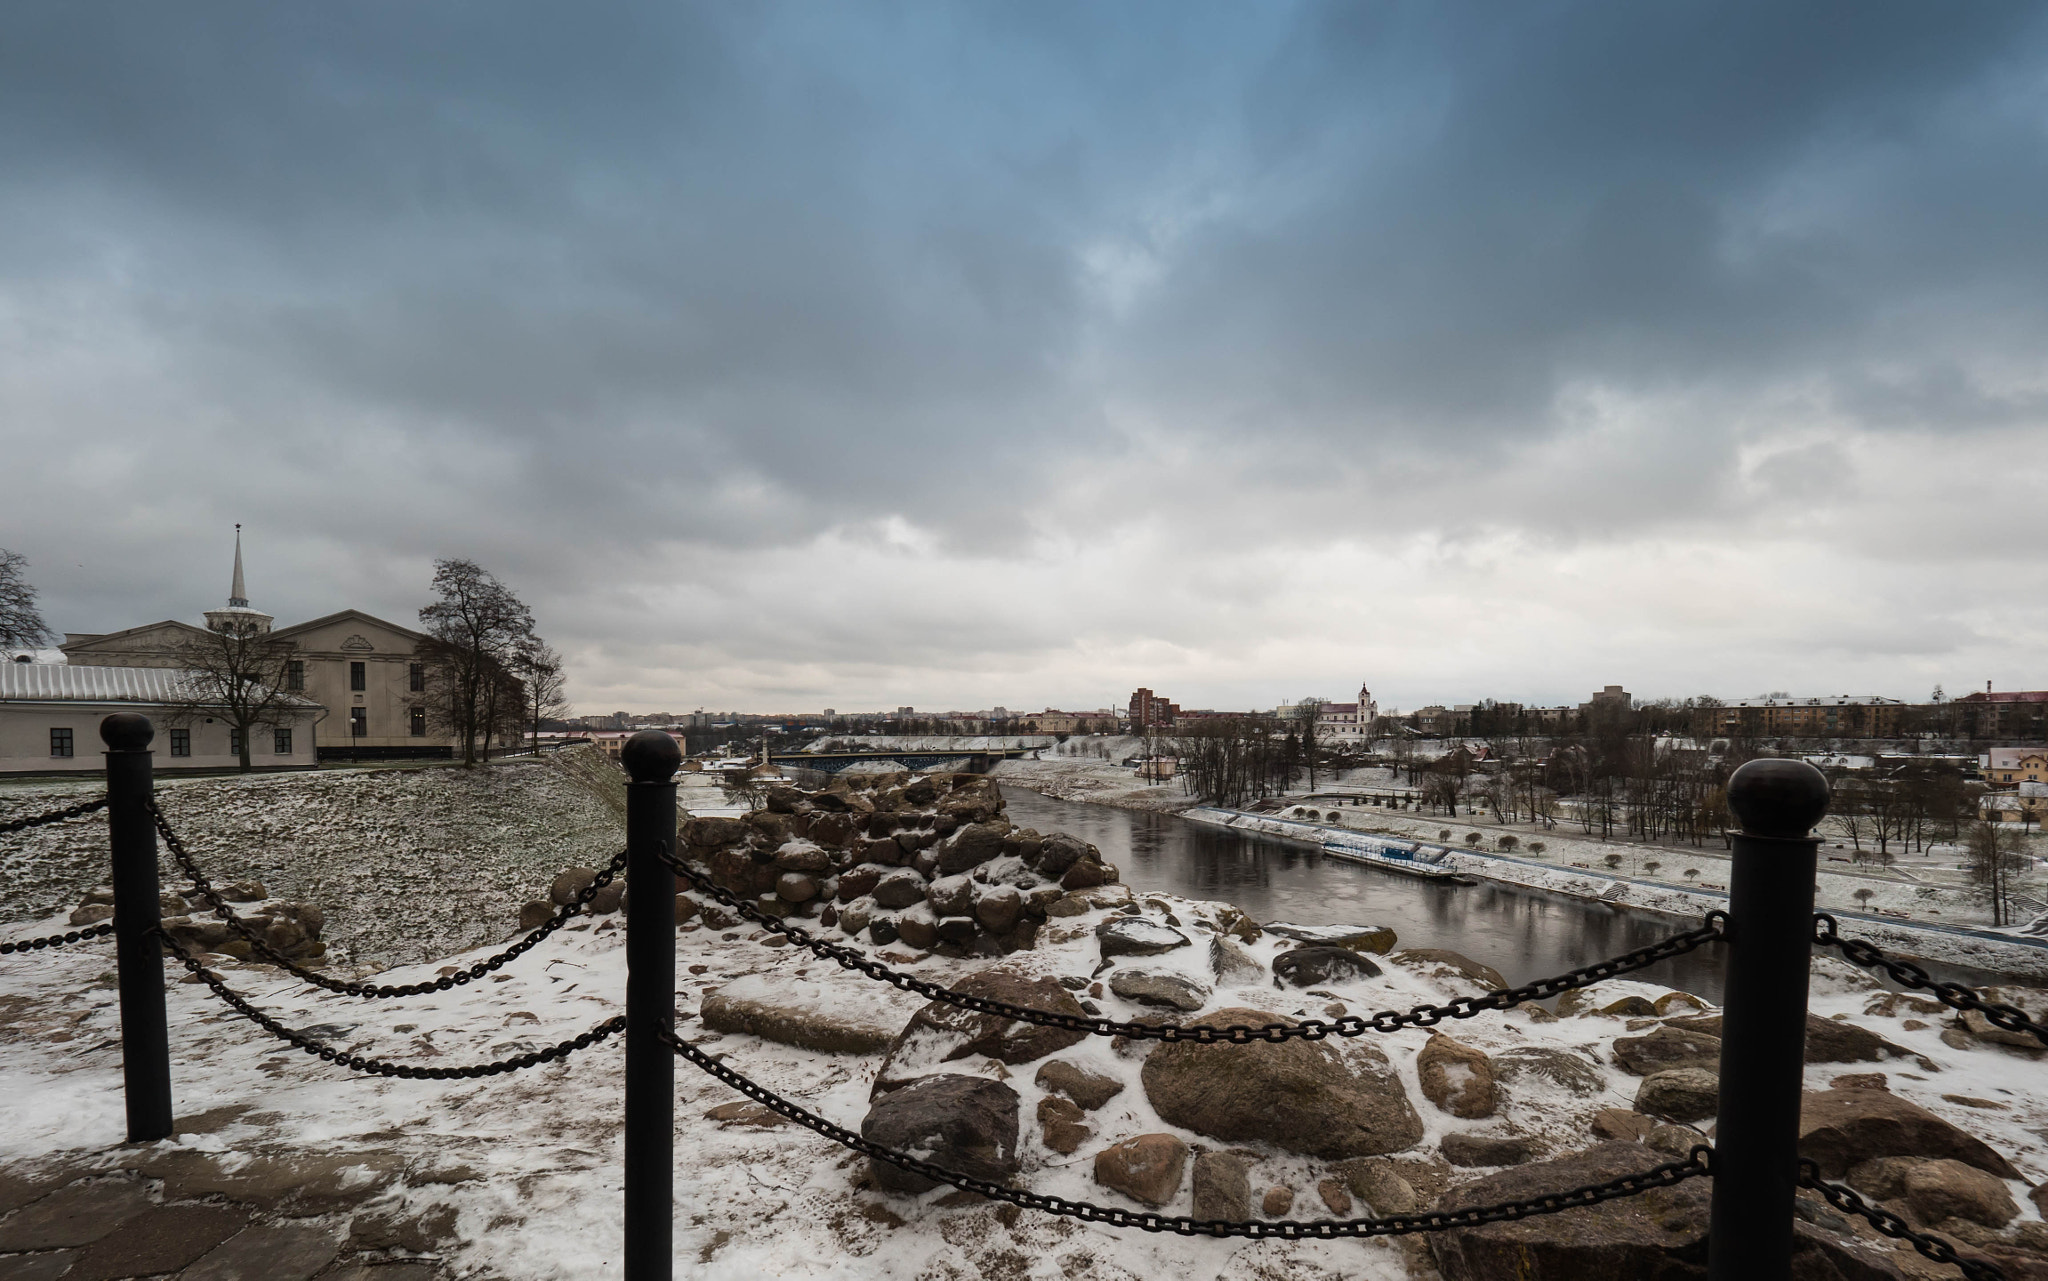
{"x": 1058, "y": 852}
{"x": 1376, "y": 1182}
{"x": 714, "y": 833}
{"x": 1458, "y": 1078}
{"x": 1062, "y": 1125}
{"x": 1469, "y": 1150}
{"x": 943, "y": 1033}
{"x": 1087, "y": 874}
{"x": 1559, "y": 1067}
{"x": 1667, "y": 1048}
{"x": 1089, "y": 1089}
{"x": 965, "y": 1124}
{"x": 570, "y": 884}
{"x": 1839, "y": 1129}
{"x": 1232, "y": 965}
{"x": 1377, "y": 939}
{"x": 951, "y": 895}
{"x": 1681, "y": 1094}
{"x": 794, "y": 1012}
{"x": 1146, "y": 1168}
{"x": 1307, "y": 1097}
{"x": 1827, "y": 1040}
{"x": 1456, "y": 962}
{"x": 608, "y": 899}
{"x": 801, "y": 856}
{"x": 1936, "y": 1188}
{"x": 1137, "y": 936}
{"x": 900, "y": 888}
{"x": 999, "y": 909}
{"x": 1318, "y": 966}
{"x": 2031, "y": 1000}
{"x": 1659, "y": 1235}
{"x": 1222, "y": 1187}
{"x": 1158, "y": 989}
{"x": 971, "y": 847}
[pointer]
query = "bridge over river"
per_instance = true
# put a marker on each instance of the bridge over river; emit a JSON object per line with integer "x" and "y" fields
{"x": 978, "y": 761}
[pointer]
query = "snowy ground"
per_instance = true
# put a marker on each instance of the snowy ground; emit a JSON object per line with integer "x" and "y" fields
{"x": 407, "y": 864}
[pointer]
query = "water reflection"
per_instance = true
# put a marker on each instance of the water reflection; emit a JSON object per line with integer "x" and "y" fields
{"x": 1525, "y": 934}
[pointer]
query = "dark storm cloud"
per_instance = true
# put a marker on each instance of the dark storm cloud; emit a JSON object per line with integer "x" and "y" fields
{"x": 644, "y": 286}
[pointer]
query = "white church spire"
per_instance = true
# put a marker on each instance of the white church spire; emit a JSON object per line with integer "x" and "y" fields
{"x": 238, "y": 595}
{"x": 238, "y": 619}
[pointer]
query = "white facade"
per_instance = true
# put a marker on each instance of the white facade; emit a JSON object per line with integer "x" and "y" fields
{"x": 1347, "y": 720}
{"x": 50, "y": 718}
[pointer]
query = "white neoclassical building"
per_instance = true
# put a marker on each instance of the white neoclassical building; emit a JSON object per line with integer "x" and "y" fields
{"x": 50, "y": 716}
{"x": 1339, "y": 722}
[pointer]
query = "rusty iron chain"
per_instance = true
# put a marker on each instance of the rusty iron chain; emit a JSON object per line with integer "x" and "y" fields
{"x": 379, "y": 1067}
{"x": 1463, "y": 1007}
{"x": 79, "y": 810}
{"x": 1891, "y": 1225}
{"x": 1954, "y": 995}
{"x": 1662, "y": 1176}
{"x": 204, "y": 887}
{"x": 101, "y": 930}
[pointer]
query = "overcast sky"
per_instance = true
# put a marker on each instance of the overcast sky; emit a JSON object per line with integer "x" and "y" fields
{"x": 857, "y": 355}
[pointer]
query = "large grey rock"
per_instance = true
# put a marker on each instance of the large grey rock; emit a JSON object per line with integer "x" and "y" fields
{"x": 943, "y": 1033}
{"x": 1319, "y": 966}
{"x": 1062, "y": 1125}
{"x": 1232, "y": 965}
{"x": 1681, "y": 1094}
{"x": 900, "y": 887}
{"x": 1559, "y": 1067}
{"x": 794, "y": 1012}
{"x": 966, "y": 1124}
{"x": 999, "y": 908}
{"x": 1137, "y": 936}
{"x": 1470, "y": 1150}
{"x": 951, "y": 896}
{"x": 1222, "y": 1187}
{"x": 1827, "y": 1040}
{"x": 1146, "y": 1168}
{"x": 1375, "y": 1181}
{"x": 571, "y": 883}
{"x": 1659, "y": 1235}
{"x": 1666, "y": 1048}
{"x": 1158, "y": 989}
{"x": 1058, "y": 852}
{"x": 1377, "y": 939}
{"x": 1454, "y": 962}
{"x": 1948, "y": 1189}
{"x": 279, "y": 1252}
{"x": 972, "y": 847}
{"x": 1842, "y": 1128}
{"x": 1302, "y": 1096}
{"x": 1457, "y": 1078}
{"x": 1089, "y": 1089}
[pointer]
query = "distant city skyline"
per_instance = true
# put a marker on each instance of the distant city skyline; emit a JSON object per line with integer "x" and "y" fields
{"x": 869, "y": 355}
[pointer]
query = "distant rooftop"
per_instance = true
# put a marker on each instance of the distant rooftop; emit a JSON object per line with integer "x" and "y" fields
{"x": 51, "y": 683}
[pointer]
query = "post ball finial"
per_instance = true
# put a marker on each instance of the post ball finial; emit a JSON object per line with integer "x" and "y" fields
{"x": 1778, "y": 798}
{"x": 127, "y": 732}
{"x": 651, "y": 756}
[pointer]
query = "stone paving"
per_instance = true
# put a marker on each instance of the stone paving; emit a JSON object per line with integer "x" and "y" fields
{"x": 165, "y": 1210}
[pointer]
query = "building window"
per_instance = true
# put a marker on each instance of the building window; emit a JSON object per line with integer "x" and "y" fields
{"x": 418, "y": 673}
{"x": 358, "y": 722}
{"x": 234, "y": 741}
{"x": 181, "y": 742}
{"x": 359, "y": 676}
{"x": 60, "y": 742}
{"x": 419, "y": 722}
{"x": 281, "y": 742}
{"x": 295, "y": 674}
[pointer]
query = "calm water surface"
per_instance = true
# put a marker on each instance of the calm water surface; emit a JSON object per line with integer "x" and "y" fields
{"x": 1525, "y": 934}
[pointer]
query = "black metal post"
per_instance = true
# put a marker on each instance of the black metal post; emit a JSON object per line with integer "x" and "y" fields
{"x": 139, "y": 955}
{"x": 1763, "y": 1024}
{"x": 650, "y": 758}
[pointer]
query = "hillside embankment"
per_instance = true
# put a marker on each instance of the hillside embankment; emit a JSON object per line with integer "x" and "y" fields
{"x": 407, "y": 864}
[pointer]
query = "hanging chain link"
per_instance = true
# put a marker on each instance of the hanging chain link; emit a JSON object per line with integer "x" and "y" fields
{"x": 1891, "y": 1225}
{"x": 1463, "y": 1007}
{"x": 79, "y": 810}
{"x": 1662, "y": 1176}
{"x": 101, "y": 930}
{"x": 204, "y": 887}
{"x": 1954, "y": 995}
{"x": 379, "y": 1067}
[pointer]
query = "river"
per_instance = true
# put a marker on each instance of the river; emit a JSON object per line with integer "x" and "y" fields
{"x": 1525, "y": 934}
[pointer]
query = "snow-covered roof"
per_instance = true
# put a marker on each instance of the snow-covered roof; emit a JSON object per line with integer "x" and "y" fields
{"x": 1831, "y": 700}
{"x": 2010, "y": 757}
{"x": 51, "y": 683}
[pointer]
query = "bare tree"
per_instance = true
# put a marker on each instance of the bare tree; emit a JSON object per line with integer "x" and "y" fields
{"x": 541, "y": 671}
{"x": 21, "y": 624}
{"x": 236, "y": 674}
{"x": 1996, "y": 856}
{"x": 477, "y": 627}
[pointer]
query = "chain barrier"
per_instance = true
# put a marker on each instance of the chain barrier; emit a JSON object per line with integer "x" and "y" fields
{"x": 79, "y": 810}
{"x": 1956, "y": 996}
{"x": 1662, "y": 1176}
{"x": 1463, "y": 1007}
{"x": 378, "y": 1067}
{"x": 101, "y": 930}
{"x": 1891, "y": 1225}
{"x": 378, "y": 991}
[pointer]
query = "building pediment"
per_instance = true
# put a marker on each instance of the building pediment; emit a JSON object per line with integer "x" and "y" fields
{"x": 351, "y": 632}
{"x": 165, "y": 635}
